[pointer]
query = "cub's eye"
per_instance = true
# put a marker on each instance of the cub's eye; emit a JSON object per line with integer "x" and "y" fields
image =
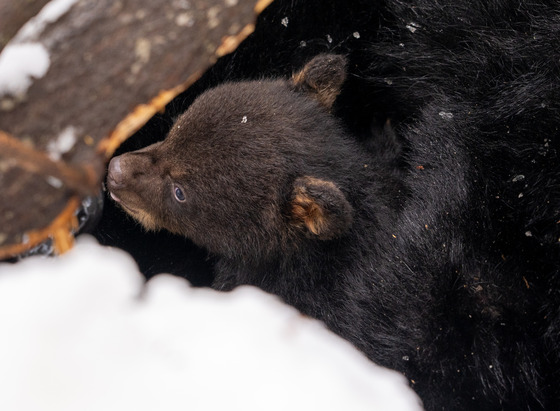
{"x": 179, "y": 195}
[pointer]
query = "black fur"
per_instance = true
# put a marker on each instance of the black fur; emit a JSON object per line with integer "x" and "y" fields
{"x": 450, "y": 270}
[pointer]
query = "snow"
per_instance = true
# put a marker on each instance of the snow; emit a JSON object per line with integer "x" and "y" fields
{"x": 19, "y": 64}
{"x": 52, "y": 11}
{"x": 412, "y": 27}
{"x": 54, "y": 182}
{"x": 64, "y": 142}
{"x": 24, "y": 58}
{"x": 84, "y": 332}
{"x": 446, "y": 115}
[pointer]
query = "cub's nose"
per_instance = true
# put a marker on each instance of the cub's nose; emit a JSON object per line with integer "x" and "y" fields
{"x": 114, "y": 173}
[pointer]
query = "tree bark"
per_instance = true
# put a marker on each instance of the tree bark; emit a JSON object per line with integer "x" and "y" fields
{"x": 14, "y": 14}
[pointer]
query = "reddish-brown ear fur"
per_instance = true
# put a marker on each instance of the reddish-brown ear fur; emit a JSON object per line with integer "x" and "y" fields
{"x": 322, "y": 77}
{"x": 320, "y": 209}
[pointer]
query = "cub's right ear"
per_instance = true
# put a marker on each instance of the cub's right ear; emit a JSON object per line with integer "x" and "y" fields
{"x": 322, "y": 78}
{"x": 320, "y": 209}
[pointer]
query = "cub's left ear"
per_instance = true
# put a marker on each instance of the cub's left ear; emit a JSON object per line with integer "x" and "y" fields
{"x": 322, "y": 77}
{"x": 320, "y": 209}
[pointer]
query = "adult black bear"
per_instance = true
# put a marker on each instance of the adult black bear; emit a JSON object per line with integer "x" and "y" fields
{"x": 440, "y": 260}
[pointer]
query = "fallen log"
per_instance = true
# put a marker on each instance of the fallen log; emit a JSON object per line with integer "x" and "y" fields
{"x": 81, "y": 77}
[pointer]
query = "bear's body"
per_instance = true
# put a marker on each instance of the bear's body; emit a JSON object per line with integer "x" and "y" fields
{"x": 440, "y": 258}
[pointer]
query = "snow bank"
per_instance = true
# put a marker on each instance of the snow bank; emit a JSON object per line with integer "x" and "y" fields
{"x": 83, "y": 332}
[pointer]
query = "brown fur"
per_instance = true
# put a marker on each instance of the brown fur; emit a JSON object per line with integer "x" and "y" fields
{"x": 324, "y": 85}
{"x": 310, "y": 208}
{"x": 240, "y": 156}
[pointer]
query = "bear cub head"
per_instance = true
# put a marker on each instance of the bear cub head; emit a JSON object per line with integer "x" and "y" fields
{"x": 252, "y": 170}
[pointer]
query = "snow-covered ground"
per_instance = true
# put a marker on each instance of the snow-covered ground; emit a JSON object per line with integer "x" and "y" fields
{"x": 84, "y": 332}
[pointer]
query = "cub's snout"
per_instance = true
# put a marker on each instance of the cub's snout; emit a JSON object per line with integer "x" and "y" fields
{"x": 134, "y": 186}
{"x": 114, "y": 173}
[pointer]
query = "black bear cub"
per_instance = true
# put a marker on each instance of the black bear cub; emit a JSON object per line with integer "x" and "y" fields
{"x": 263, "y": 176}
